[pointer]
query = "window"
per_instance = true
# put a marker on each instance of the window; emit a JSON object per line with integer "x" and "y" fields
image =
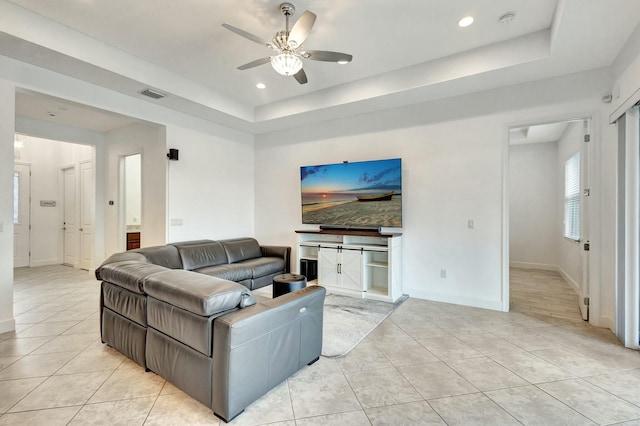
{"x": 572, "y": 197}
{"x": 16, "y": 198}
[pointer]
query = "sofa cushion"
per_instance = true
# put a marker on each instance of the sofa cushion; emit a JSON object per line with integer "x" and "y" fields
{"x": 199, "y": 254}
{"x": 240, "y": 249}
{"x": 233, "y": 272}
{"x": 198, "y": 293}
{"x": 129, "y": 274}
{"x": 121, "y": 257}
{"x": 193, "y": 330}
{"x": 130, "y": 305}
{"x": 262, "y": 266}
{"x": 166, "y": 256}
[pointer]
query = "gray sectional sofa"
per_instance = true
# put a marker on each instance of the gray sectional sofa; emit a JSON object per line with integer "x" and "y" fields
{"x": 186, "y": 312}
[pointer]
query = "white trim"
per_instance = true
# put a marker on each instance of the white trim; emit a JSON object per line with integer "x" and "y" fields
{"x": 530, "y": 265}
{"x": 505, "y": 221}
{"x": 632, "y": 228}
{"x": 46, "y": 262}
{"x": 570, "y": 281}
{"x": 624, "y": 106}
{"x": 548, "y": 267}
{"x": 495, "y": 305}
{"x": 606, "y": 322}
{"x": 7, "y": 325}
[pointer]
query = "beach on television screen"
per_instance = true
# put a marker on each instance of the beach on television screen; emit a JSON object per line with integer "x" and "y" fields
{"x": 362, "y": 194}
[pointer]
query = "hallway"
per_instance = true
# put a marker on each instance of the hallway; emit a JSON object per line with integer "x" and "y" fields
{"x": 542, "y": 294}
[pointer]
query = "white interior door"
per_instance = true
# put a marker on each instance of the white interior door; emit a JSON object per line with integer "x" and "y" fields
{"x": 87, "y": 215}
{"x": 21, "y": 215}
{"x": 70, "y": 221}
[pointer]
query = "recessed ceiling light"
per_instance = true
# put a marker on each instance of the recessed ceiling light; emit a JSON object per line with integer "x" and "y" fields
{"x": 261, "y": 85}
{"x": 466, "y": 21}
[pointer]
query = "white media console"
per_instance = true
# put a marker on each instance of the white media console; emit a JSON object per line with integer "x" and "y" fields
{"x": 363, "y": 264}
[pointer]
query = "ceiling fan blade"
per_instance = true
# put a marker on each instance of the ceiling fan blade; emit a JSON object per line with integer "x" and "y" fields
{"x": 254, "y": 63}
{"x": 324, "y": 55}
{"x": 246, "y": 35}
{"x": 301, "y": 76}
{"x": 301, "y": 29}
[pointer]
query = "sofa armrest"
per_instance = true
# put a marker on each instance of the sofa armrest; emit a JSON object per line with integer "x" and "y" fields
{"x": 256, "y": 348}
{"x": 278, "y": 251}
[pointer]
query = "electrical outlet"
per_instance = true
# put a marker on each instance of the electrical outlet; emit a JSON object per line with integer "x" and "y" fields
{"x": 443, "y": 273}
{"x": 471, "y": 224}
{"x": 176, "y": 222}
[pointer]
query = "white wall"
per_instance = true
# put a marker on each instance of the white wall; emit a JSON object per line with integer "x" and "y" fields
{"x": 7, "y": 119}
{"x": 569, "y": 251}
{"x": 533, "y": 205}
{"x": 453, "y": 154}
{"x": 211, "y": 186}
{"x": 150, "y": 142}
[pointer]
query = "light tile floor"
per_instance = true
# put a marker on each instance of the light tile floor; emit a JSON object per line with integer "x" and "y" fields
{"x": 428, "y": 363}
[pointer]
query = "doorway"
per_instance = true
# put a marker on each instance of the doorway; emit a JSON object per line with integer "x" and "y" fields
{"x": 54, "y": 211}
{"x": 131, "y": 200}
{"x": 548, "y": 195}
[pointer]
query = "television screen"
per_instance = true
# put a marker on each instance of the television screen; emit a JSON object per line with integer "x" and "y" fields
{"x": 364, "y": 194}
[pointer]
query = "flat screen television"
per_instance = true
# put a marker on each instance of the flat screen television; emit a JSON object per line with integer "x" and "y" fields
{"x": 363, "y": 194}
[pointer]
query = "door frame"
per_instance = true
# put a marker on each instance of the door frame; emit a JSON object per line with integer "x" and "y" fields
{"x": 587, "y": 232}
{"x": 627, "y": 228}
{"x": 62, "y": 240}
{"x": 29, "y": 208}
{"x": 81, "y": 216}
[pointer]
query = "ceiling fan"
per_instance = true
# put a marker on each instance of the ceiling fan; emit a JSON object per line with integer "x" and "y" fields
{"x": 287, "y": 45}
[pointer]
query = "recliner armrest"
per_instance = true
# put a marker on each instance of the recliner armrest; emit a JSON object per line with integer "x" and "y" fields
{"x": 278, "y": 251}
{"x": 256, "y": 348}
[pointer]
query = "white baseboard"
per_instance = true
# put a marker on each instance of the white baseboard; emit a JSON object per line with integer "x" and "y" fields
{"x": 530, "y": 265}
{"x": 7, "y": 325}
{"x": 570, "y": 280}
{"x": 606, "y": 322}
{"x": 46, "y": 262}
{"x": 547, "y": 267}
{"x": 495, "y": 305}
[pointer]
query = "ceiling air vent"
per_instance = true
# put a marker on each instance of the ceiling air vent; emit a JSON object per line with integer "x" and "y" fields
{"x": 152, "y": 93}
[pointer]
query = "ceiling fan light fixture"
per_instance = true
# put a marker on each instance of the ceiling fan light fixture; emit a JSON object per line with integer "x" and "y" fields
{"x": 343, "y": 62}
{"x": 286, "y": 64}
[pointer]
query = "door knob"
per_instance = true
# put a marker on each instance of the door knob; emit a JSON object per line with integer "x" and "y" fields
{"x": 80, "y": 229}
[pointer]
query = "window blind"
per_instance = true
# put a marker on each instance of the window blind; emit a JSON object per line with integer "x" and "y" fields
{"x": 572, "y": 197}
